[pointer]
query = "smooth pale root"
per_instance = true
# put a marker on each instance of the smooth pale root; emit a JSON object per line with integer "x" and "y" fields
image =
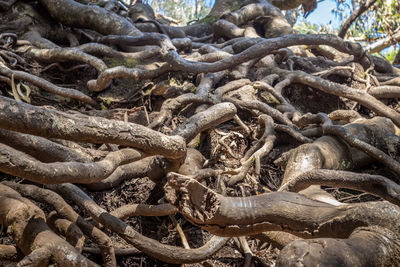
{"x": 32, "y": 234}
{"x": 278, "y": 211}
{"x": 29, "y": 119}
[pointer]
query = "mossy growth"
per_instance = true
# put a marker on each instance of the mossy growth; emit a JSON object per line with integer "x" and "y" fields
{"x": 346, "y": 165}
{"x": 12, "y": 229}
{"x": 191, "y": 88}
{"x": 209, "y": 19}
{"x": 26, "y": 213}
{"x": 397, "y": 130}
{"x": 126, "y": 62}
{"x": 269, "y": 98}
{"x": 174, "y": 82}
{"x": 195, "y": 143}
{"x": 106, "y": 102}
{"x": 235, "y": 5}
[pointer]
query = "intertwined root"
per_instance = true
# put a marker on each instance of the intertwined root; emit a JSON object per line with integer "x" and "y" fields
{"x": 207, "y": 122}
{"x": 27, "y": 224}
{"x": 298, "y": 215}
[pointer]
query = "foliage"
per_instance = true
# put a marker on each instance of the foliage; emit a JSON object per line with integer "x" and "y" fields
{"x": 381, "y": 20}
{"x": 305, "y": 27}
{"x": 184, "y": 11}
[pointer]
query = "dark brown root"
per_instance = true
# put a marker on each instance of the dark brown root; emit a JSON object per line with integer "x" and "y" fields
{"x": 374, "y": 184}
{"x": 63, "y": 209}
{"x": 30, "y": 232}
{"x": 277, "y": 211}
{"x": 54, "y": 124}
{"x": 149, "y": 246}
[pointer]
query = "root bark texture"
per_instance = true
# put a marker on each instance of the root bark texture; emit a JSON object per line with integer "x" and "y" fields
{"x": 144, "y": 142}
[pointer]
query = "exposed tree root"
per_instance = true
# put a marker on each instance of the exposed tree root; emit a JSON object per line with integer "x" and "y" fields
{"x": 380, "y": 247}
{"x": 9, "y": 253}
{"x": 66, "y": 92}
{"x": 374, "y": 184}
{"x": 151, "y": 247}
{"x": 66, "y": 211}
{"x": 220, "y": 114}
{"x": 27, "y": 224}
{"x": 143, "y": 210}
{"x": 278, "y": 211}
{"x": 54, "y": 124}
{"x": 18, "y": 164}
{"x": 367, "y": 148}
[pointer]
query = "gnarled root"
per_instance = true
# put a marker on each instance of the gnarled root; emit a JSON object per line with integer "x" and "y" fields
{"x": 366, "y": 246}
{"x": 149, "y": 246}
{"x": 278, "y": 211}
{"x": 27, "y": 224}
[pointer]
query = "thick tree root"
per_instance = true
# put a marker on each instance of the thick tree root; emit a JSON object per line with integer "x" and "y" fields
{"x": 277, "y": 211}
{"x": 19, "y": 164}
{"x": 42, "y": 148}
{"x": 360, "y": 96}
{"x": 27, "y": 224}
{"x": 149, "y": 246}
{"x": 54, "y": 124}
{"x": 366, "y": 246}
{"x": 71, "y": 231}
{"x": 367, "y": 148}
{"x": 373, "y": 184}
{"x": 200, "y": 101}
{"x": 9, "y": 253}
{"x": 91, "y": 17}
{"x": 63, "y": 209}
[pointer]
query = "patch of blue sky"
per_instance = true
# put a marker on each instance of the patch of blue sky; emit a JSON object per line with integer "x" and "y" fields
{"x": 323, "y": 15}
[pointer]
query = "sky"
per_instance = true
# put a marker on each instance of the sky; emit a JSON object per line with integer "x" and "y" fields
{"x": 323, "y": 14}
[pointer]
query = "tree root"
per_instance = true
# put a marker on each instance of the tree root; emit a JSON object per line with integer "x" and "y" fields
{"x": 28, "y": 226}
{"x": 42, "y": 148}
{"x": 200, "y": 101}
{"x": 17, "y": 163}
{"x": 9, "y": 253}
{"x": 366, "y": 246}
{"x": 131, "y": 210}
{"x": 151, "y": 247}
{"x": 209, "y": 118}
{"x": 66, "y": 228}
{"x": 374, "y": 184}
{"x": 264, "y": 145}
{"x": 367, "y": 148}
{"x": 92, "y": 17}
{"x": 54, "y": 124}
{"x": 65, "y": 92}
{"x": 341, "y": 90}
{"x": 65, "y": 55}
{"x": 260, "y": 50}
{"x": 277, "y": 211}
{"x": 63, "y": 209}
